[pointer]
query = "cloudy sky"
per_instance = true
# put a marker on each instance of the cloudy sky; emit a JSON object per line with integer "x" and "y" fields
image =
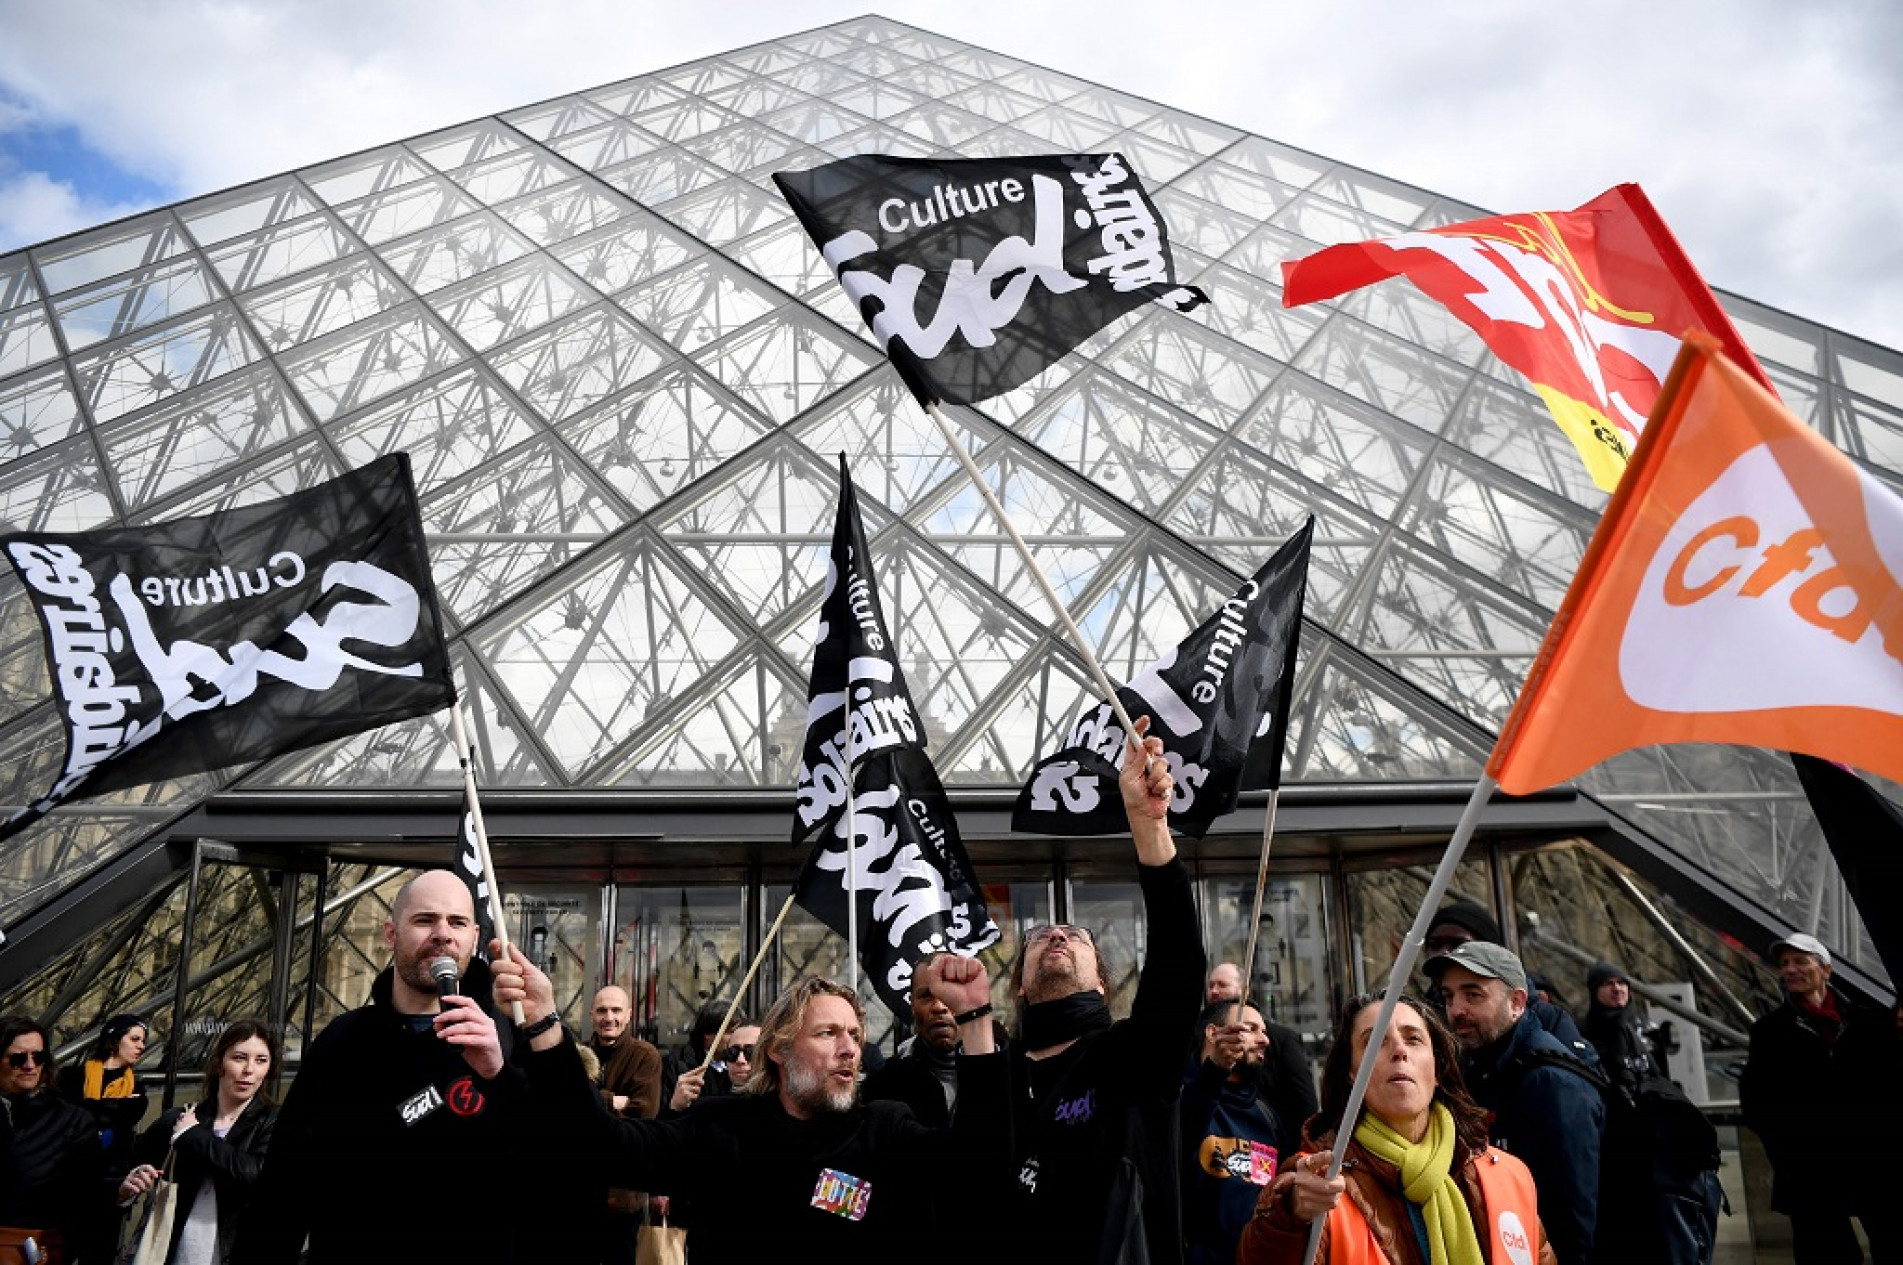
{"x": 1767, "y": 132}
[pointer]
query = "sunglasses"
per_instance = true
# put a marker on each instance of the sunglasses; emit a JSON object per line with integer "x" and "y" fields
{"x": 26, "y": 1058}
{"x": 1038, "y": 935}
{"x": 733, "y": 1052}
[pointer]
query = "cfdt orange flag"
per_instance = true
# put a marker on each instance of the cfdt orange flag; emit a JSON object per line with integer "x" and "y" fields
{"x": 1745, "y": 585}
{"x": 1590, "y": 305}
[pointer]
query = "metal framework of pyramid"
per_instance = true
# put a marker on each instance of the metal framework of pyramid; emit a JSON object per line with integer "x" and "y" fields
{"x": 622, "y": 373}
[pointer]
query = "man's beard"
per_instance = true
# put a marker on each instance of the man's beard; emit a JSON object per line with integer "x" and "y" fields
{"x": 415, "y": 972}
{"x": 814, "y": 1092}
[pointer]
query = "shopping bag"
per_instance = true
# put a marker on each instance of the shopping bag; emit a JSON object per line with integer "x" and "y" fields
{"x": 661, "y": 1244}
{"x": 154, "y": 1242}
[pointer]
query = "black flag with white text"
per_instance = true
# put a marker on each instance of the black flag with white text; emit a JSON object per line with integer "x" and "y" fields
{"x": 977, "y": 274}
{"x": 468, "y": 865}
{"x": 235, "y": 636}
{"x": 1219, "y": 700}
{"x": 915, "y": 893}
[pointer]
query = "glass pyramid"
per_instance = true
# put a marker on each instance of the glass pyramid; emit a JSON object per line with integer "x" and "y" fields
{"x": 622, "y": 373}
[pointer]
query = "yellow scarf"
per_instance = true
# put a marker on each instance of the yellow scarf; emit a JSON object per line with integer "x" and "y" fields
{"x": 98, "y": 1087}
{"x": 1427, "y": 1179}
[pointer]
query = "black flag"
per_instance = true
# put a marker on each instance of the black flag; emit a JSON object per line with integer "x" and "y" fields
{"x": 468, "y": 866}
{"x": 1865, "y": 834}
{"x": 915, "y": 892}
{"x": 1219, "y": 701}
{"x": 237, "y": 636}
{"x": 977, "y": 274}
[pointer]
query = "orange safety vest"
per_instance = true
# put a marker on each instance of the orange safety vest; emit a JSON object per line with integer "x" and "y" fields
{"x": 1508, "y": 1227}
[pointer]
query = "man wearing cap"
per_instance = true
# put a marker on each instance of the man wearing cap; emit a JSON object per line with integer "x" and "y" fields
{"x": 1546, "y": 1103}
{"x": 1790, "y": 1099}
{"x": 1464, "y": 920}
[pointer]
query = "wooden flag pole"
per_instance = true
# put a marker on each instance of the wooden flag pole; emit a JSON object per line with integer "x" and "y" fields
{"x": 1403, "y": 967}
{"x": 1255, "y": 913}
{"x": 467, "y": 758}
{"x": 1037, "y": 574}
{"x": 733, "y": 1008}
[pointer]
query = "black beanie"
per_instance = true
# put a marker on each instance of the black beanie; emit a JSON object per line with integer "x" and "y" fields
{"x": 1600, "y": 973}
{"x": 1473, "y": 919}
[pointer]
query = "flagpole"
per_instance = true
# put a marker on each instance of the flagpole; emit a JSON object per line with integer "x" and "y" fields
{"x": 1397, "y": 977}
{"x": 467, "y": 758}
{"x": 733, "y": 1007}
{"x": 852, "y": 884}
{"x": 1255, "y": 914}
{"x": 1044, "y": 586}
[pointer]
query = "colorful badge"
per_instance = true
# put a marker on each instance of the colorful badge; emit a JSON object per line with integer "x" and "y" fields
{"x": 1240, "y": 1158}
{"x": 842, "y": 1194}
{"x": 464, "y": 1098}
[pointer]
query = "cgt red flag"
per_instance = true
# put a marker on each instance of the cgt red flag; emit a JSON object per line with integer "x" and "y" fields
{"x": 1744, "y": 586}
{"x": 1590, "y": 305}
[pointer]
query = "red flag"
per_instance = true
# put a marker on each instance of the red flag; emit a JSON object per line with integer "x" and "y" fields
{"x": 1742, "y": 587}
{"x": 1591, "y": 305}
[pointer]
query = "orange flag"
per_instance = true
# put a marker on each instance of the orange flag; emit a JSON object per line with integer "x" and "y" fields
{"x": 1745, "y": 586}
{"x": 1589, "y": 304}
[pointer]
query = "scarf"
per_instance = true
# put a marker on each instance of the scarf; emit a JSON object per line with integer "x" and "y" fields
{"x": 1048, "y": 1023}
{"x": 97, "y": 1086}
{"x": 1427, "y": 1179}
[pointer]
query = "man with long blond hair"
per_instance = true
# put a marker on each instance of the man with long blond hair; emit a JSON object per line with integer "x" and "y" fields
{"x": 797, "y": 1161}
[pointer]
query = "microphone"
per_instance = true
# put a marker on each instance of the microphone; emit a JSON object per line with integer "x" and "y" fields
{"x": 443, "y": 971}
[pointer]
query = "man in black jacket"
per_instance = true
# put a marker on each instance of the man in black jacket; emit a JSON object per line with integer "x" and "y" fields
{"x": 1094, "y": 1102}
{"x": 924, "y": 1074}
{"x": 1792, "y": 1101}
{"x": 797, "y": 1168}
{"x": 398, "y": 1099}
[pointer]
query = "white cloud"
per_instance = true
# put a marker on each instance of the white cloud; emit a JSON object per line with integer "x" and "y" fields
{"x": 34, "y": 208}
{"x": 1763, "y": 130}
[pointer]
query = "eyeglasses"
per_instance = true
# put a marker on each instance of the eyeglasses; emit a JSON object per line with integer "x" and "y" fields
{"x": 733, "y": 1052}
{"x": 1038, "y": 935}
{"x": 26, "y": 1058}
{"x": 1437, "y": 945}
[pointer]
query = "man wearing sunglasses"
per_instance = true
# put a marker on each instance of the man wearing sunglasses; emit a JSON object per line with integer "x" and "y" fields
{"x": 1094, "y": 1101}
{"x": 51, "y": 1164}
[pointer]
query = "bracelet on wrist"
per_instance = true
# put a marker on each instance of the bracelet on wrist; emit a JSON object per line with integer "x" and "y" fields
{"x": 536, "y": 1029}
{"x": 975, "y": 1013}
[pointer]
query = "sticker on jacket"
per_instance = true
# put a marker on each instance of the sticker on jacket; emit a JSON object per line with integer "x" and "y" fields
{"x": 842, "y": 1194}
{"x": 418, "y": 1106}
{"x": 464, "y": 1098}
{"x": 1252, "y": 1162}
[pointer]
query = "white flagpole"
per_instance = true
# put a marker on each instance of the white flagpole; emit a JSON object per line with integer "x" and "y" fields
{"x": 1044, "y": 586}
{"x": 1403, "y": 967}
{"x": 467, "y": 758}
{"x": 1255, "y": 913}
{"x": 852, "y": 884}
{"x": 733, "y": 1007}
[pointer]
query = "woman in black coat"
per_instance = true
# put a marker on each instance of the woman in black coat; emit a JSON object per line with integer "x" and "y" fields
{"x": 218, "y": 1145}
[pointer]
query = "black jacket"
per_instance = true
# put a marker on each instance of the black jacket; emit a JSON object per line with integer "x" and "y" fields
{"x": 233, "y": 1163}
{"x": 1548, "y": 1111}
{"x": 1095, "y": 1127}
{"x": 1792, "y": 1101}
{"x": 752, "y": 1172}
{"x": 52, "y": 1170}
{"x": 363, "y": 1181}
{"x": 909, "y": 1079}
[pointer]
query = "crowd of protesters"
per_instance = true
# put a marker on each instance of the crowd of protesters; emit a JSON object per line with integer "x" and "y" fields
{"x": 1494, "y": 1128}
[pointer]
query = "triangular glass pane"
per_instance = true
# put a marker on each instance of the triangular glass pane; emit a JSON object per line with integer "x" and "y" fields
{"x": 761, "y": 527}
{"x": 496, "y": 534}
{"x": 1027, "y": 718}
{"x": 1145, "y": 606}
{"x": 666, "y": 433}
{"x": 741, "y": 727}
{"x": 1116, "y": 437}
{"x": 587, "y": 663}
{"x": 17, "y": 287}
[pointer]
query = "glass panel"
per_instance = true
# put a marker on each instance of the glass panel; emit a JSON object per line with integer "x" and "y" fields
{"x": 279, "y": 252}
{"x": 511, "y": 176}
{"x": 158, "y": 365}
{"x": 363, "y": 174}
{"x": 580, "y": 362}
{"x": 1360, "y": 453}
{"x": 675, "y": 950}
{"x": 16, "y": 282}
{"x": 56, "y": 489}
{"x": 783, "y": 364}
{"x": 398, "y": 213}
{"x": 323, "y": 302}
{"x": 369, "y": 360}
{"x": 1382, "y": 905}
{"x": 894, "y": 450}
{"x": 740, "y": 727}
{"x": 702, "y": 302}
{"x": 663, "y": 176}
{"x": 301, "y": 466}
{"x": 455, "y": 252}
{"x": 461, "y": 146}
{"x": 663, "y": 435}
{"x": 131, "y": 302}
{"x": 633, "y": 249}
{"x": 36, "y": 410}
{"x": 26, "y": 339}
{"x": 509, "y": 301}
{"x": 448, "y": 427}
{"x": 1119, "y": 439}
{"x": 191, "y": 439}
{"x": 605, "y": 146}
{"x": 1293, "y": 981}
{"x": 564, "y": 212}
{"x": 110, "y": 251}
{"x": 248, "y": 210}
{"x": 571, "y": 114}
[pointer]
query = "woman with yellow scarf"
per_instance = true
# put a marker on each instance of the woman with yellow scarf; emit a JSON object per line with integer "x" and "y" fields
{"x": 1420, "y": 1185}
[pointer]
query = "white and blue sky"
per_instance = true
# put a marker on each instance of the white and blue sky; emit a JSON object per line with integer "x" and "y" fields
{"x": 1766, "y": 131}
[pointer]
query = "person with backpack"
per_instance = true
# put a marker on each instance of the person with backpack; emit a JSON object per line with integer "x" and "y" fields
{"x": 1545, "y": 1111}
{"x": 1659, "y": 1194}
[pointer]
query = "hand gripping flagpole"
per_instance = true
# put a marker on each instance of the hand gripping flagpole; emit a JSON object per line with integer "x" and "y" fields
{"x": 467, "y": 758}
{"x": 1397, "y": 977}
{"x": 1037, "y": 574}
{"x": 1255, "y": 913}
